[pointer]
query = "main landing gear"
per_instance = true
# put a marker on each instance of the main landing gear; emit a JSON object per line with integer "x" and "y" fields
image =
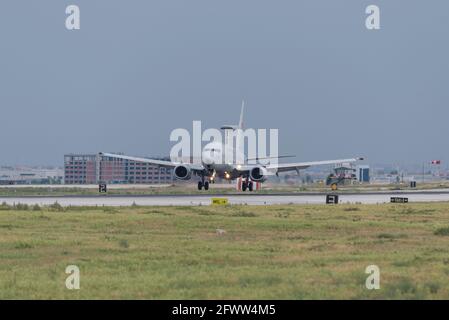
{"x": 202, "y": 184}
{"x": 247, "y": 184}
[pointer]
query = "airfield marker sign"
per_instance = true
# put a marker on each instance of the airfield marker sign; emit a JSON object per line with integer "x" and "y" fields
{"x": 398, "y": 200}
{"x": 220, "y": 201}
{"x": 331, "y": 199}
{"x": 102, "y": 188}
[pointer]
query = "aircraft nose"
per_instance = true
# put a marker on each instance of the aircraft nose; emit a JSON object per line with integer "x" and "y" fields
{"x": 207, "y": 159}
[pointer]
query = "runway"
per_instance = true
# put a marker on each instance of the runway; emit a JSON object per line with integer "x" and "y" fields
{"x": 243, "y": 198}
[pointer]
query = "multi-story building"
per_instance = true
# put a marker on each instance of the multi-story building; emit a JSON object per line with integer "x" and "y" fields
{"x": 94, "y": 168}
{"x": 363, "y": 173}
{"x": 80, "y": 169}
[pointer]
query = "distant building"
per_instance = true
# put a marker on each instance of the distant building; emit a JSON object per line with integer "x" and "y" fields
{"x": 93, "y": 169}
{"x": 362, "y": 173}
{"x": 30, "y": 175}
{"x": 343, "y": 174}
{"x": 80, "y": 169}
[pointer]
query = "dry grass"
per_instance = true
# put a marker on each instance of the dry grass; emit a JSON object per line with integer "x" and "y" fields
{"x": 273, "y": 252}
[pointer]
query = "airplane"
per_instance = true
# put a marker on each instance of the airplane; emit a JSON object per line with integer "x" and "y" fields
{"x": 211, "y": 164}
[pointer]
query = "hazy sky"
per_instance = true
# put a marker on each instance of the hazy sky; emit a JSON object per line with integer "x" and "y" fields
{"x": 138, "y": 69}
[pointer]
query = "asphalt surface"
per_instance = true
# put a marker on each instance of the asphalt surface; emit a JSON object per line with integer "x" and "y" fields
{"x": 241, "y": 198}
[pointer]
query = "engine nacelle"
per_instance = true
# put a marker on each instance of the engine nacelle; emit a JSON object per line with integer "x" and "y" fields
{"x": 182, "y": 172}
{"x": 258, "y": 174}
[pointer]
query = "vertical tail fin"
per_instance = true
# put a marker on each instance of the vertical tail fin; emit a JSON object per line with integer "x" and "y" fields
{"x": 229, "y": 134}
{"x": 239, "y": 145}
{"x": 241, "y": 115}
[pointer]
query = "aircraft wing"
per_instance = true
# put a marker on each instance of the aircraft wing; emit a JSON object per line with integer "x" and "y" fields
{"x": 283, "y": 167}
{"x": 161, "y": 163}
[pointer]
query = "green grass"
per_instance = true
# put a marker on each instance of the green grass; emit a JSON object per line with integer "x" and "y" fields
{"x": 272, "y": 252}
{"x": 442, "y": 231}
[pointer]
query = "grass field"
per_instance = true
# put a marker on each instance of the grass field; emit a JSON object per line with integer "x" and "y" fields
{"x": 273, "y": 252}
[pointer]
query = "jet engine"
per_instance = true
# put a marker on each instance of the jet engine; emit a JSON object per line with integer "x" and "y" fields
{"x": 258, "y": 174}
{"x": 182, "y": 172}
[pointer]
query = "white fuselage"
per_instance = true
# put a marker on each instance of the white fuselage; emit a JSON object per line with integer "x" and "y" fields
{"x": 223, "y": 161}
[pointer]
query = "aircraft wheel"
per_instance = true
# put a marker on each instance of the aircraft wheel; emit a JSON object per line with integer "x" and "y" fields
{"x": 206, "y": 185}
{"x": 200, "y": 185}
{"x": 250, "y": 186}
{"x": 244, "y": 186}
